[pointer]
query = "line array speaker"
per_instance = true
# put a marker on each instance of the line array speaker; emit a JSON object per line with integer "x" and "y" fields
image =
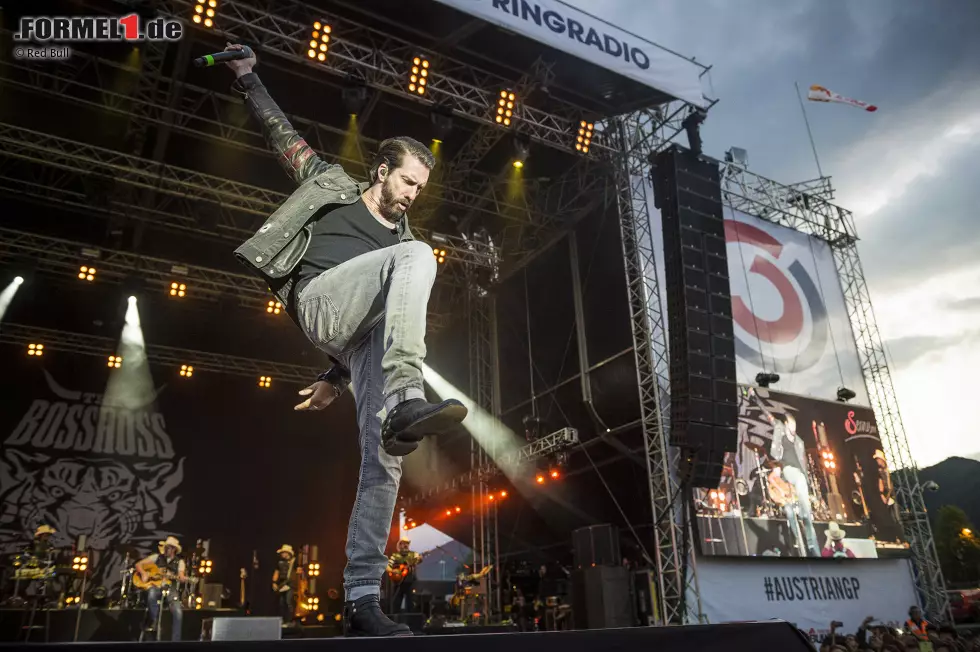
{"x": 703, "y": 389}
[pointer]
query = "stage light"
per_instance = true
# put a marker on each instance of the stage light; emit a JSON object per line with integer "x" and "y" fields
{"x": 86, "y": 273}
{"x": 554, "y": 474}
{"x": 204, "y": 568}
{"x": 522, "y": 149}
{"x": 186, "y": 370}
{"x": 539, "y": 479}
{"x": 966, "y": 532}
{"x": 503, "y": 494}
{"x": 265, "y": 381}
{"x": 312, "y": 603}
{"x": 441, "y": 118}
{"x": 35, "y": 350}
{"x": 178, "y": 289}
{"x": 204, "y": 11}
{"x": 313, "y": 568}
{"x": 115, "y": 361}
{"x": 829, "y": 462}
{"x": 319, "y": 41}
{"x": 692, "y": 125}
{"x": 418, "y": 77}
{"x": 763, "y": 379}
{"x": 273, "y": 308}
{"x": 440, "y": 254}
{"x": 458, "y": 510}
{"x": 79, "y": 563}
{"x": 490, "y": 497}
{"x": 506, "y": 105}
{"x": 198, "y": 602}
{"x": 584, "y": 138}
{"x": 844, "y": 394}
{"x": 449, "y": 512}
{"x": 18, "y": 280}
{"x": 354, "y": 97}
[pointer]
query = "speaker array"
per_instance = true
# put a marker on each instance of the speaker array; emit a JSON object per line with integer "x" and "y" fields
{"x": 704, "y": 408}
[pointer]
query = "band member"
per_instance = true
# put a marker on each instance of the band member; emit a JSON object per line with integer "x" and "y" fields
{"x": 42, "y": 546}
{"x": 341, "y": 258}
{"x": 284, "y": 582}
{"x": 835, "y": 546}
{"x": 172, "y": 568}
{"x": 788, "y": 449}
{"x": 401, "y": 570}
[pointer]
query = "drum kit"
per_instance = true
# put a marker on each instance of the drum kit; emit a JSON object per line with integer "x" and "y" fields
{"x": 28, "y": 567}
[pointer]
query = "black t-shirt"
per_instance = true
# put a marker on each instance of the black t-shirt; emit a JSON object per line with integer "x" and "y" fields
{"x": 338, "y": 236}
{"x": 790, "y": 456}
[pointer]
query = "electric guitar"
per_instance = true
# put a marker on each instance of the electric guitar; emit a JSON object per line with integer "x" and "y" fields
{"x": 157, "y": 577}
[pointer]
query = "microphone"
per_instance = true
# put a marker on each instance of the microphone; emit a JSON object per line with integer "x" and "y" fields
{"x": 209, "y": 60}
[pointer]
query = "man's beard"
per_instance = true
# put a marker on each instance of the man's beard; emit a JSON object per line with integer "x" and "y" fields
{"x": 390, "y": 209}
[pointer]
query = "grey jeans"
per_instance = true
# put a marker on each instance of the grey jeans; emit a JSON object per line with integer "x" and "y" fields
{"x": 797, "y": 478}
{"x": 369, "y": 313}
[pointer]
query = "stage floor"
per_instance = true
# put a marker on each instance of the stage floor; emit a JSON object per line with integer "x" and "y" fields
{"x": 734, "y": 637}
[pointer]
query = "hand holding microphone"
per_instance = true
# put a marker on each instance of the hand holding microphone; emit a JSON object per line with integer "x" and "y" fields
{"x": 239, "y": 58}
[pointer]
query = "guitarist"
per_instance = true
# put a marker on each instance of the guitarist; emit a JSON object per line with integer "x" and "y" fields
{"x": 284, "y": 582}
{"x": 166, "y": 567}
{"x": 401, "y": 570}
{"x": 787, "y": 448}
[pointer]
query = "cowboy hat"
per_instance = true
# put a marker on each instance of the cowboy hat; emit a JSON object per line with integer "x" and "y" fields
{"x": 44, "y": 529}
{"x": 170, "y": 541}
{"x": 834, "y": 532}
{"x": 404, "y": 540}
{"x": 286, "y": 548}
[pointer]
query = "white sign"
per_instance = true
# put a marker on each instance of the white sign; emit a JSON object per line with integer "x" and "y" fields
{"x": 808, "y": 594}
{"x": 788, "y": 310}
{"x": 571, "y": 30}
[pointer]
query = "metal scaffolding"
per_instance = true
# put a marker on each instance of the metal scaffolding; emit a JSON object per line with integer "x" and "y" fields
{"x": 647, "y": 321}
{"x": 94, "y": 345}
{"x": 806, "y": 207}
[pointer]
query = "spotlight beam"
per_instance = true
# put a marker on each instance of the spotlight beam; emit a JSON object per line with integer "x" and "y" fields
{"x": 7, "y": 296}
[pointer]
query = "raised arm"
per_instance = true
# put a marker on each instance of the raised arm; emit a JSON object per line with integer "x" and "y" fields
{"x": 294, "y": 154}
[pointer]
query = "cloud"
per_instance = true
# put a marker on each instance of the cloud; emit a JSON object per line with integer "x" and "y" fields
{"x": 905, "y": 351}
{"x": 970, "y": 304}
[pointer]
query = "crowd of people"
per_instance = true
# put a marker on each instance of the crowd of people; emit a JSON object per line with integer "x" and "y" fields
{"x": 916, "y": 635}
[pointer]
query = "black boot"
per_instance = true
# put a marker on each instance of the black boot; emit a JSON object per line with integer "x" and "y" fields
{"x": 410, "y": 421}
{"x": 363, "y": 617}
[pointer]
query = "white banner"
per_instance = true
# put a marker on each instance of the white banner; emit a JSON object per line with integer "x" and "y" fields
{"x": 571, "y": 30}
{"x": 788, "y": 310}
{"x": 808, "y": 594}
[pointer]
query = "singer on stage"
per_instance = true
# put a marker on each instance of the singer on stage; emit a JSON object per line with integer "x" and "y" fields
{"x": 341, "y": 258}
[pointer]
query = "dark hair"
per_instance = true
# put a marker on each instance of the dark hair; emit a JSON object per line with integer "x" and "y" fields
{"x": 393, "y": 150}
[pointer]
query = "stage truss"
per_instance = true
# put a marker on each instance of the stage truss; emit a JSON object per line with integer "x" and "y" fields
{"x": 131, "y": 186}
{"x": 807, "y": 207}
{"x": 171, "y": 356}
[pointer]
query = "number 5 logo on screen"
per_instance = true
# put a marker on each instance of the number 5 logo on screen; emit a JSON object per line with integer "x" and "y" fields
{"x": 796, "y": 340}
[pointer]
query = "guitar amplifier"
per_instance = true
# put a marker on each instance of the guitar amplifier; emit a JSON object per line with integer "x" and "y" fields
{"x": 241, "y": 629}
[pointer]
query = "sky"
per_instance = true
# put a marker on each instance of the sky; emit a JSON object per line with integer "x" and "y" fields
{"x": 909, "y": 172}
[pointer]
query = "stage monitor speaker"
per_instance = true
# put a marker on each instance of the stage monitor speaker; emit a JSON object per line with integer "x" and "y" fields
{"x": 241, "y": 629}
{"x": 211, "y": 596}
{"x": 704, "y": 390}
{"x": 601, "y": 597}
{"x": 596, "y": 545}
